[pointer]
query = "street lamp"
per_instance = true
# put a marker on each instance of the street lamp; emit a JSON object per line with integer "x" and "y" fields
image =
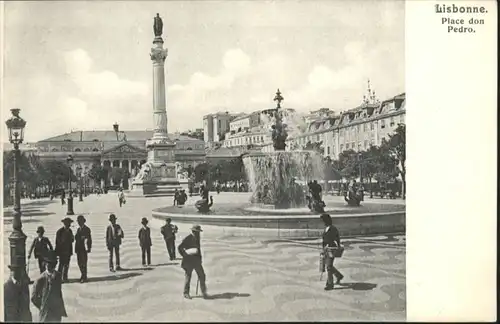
{"x": 70, "y": 211}
{"x": 79, "y": 173}
{"x": 17, "y": 238}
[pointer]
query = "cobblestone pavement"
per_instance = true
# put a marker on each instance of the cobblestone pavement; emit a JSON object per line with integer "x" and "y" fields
{"x": 250, "y": 280}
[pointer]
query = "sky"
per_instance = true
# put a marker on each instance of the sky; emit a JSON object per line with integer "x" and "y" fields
{"x": 84, "y": 65}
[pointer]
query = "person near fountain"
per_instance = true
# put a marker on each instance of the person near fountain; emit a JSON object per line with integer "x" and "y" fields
{"x": 190, "y": 249}
{"x": 331, "y": 239}
{"x": 176, "y": 196}
{"x": 182, "y": 197}
{"x": 168, "y": 231}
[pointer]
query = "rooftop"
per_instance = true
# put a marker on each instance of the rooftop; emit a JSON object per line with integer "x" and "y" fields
{"x": 110, "y": 136}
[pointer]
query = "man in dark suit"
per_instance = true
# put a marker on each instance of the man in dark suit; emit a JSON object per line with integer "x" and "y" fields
{"x": 64, "y": 247}
{"x": 331, "y": 238}
{"x": 83, "y": 245}
{"x": 168, "y": 231}
{"x": 16, "y": 297}
{"x": 145, "y": 241}
{"x": 190, "y": 249}
{"x": 41, "y": 245}
{"x": 47, "y": 293}
{"x": 114, "y": 236}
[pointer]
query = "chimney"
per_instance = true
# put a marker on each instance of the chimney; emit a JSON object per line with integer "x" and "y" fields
{"x": 116, "y": 127}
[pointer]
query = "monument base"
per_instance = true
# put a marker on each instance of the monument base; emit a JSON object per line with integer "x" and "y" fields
{"x": 154, "y": 189}
{"x": 157, "y": 178}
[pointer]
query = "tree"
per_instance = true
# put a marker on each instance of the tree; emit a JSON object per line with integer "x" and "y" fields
{"x": 201, "y": 172}
{"x": 117, "y": 175}
{"x": 397, "y": 146}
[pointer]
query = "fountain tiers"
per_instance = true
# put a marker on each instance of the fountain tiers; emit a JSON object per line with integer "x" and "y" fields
{"x": 272, "y": 176}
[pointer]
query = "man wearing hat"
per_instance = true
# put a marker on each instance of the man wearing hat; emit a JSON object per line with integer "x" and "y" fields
{"x": 168, "y": 231}
{"x": 41, "y": 245}
{"x": 47, "y": 293}
{"x": 145, "y": 241}
{"x": 190, "y": 249}
{"x": 331, "y": 238}
{"x": 64, "y": 247}
{"x": 16, "y": 296}
{"x": 114, "y": 236}
{"x": 83, "y": 245}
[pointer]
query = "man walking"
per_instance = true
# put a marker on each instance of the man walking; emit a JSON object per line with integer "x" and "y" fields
{"x": 83, "y": 245}
{"x": 64, "y": 247}
{"x": 121, "y": 197}
{"x": 190, "y": 249}
{"x": 16, "y": 297}
{"x": 41, "y": 245}
{"x": 114, "y": 236}
{"x": 331, "y": 239}
{"x": 47, "y": 293}
{"x": 145, "y": 242}
{"x": 168, "y": 231}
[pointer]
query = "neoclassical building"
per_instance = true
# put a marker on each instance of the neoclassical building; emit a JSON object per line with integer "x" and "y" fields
{"x": 116, "y": 149}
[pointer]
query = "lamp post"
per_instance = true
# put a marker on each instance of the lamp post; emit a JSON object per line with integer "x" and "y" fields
{"x": 79, "y": 173}
{"x": 17, "y": 238}
{"x": 70, "y": 211}
{"x": 85, "y": 171}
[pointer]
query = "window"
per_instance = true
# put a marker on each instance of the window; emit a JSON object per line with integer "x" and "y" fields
{"x": 359, "y": 128}
{"x": 317, "y": 137}
{"x": 359, "y": 146}
{"x": 341, "y": 147}
{"x": 95, "y": 149}
{"x": 382, "y": 123}
{"x": 328, "y": 150}
{"x": 54, "y": 150}
{"x": 366, "y": 144}
{"x": 77, "y": 150}
{"x": 189, "y": 149}
{"x": 371, "y": 126}
{"x": 402, "y": 119}
{"x": 365, "y": 127}
{"x": 392, "y": 121}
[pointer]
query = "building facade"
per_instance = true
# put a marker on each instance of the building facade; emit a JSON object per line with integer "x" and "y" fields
{"x": 369, "y": 124}
{"x": 115, "y": 149}
{"x": 215, "y": 126}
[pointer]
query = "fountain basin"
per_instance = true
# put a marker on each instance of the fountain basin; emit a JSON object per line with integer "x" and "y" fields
{"x": 256, "y": 221}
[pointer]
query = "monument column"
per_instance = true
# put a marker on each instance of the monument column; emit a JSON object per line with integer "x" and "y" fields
{"x": 158, "y": 176}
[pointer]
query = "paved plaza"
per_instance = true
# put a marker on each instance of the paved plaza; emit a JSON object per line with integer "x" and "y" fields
{"x": 249, "y": 279}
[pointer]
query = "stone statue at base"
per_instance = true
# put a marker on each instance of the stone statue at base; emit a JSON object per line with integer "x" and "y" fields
{"x": 203, "y": 205}
{"x": 144, "y": 173}
{"x": 353, "y": 197}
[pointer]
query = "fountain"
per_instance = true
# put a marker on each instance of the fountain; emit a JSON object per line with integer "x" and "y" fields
{"x": 273, "y": 176}
{"x": 277, "y": 205}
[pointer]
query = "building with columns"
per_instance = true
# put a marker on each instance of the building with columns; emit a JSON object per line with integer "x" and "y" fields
{"x": 115, "y": 149}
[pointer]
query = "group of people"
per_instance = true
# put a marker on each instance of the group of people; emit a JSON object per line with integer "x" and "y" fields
{"x": 180, "y": 197}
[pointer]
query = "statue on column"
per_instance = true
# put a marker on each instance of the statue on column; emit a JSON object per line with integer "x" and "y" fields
{"x": 158, "y": 25}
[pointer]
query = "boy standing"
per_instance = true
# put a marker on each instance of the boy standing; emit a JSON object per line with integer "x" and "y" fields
{"x": 145, "y": 241}
{"x": 41, "y": 245}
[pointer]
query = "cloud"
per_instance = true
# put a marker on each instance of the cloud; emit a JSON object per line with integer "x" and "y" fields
{"x": 104, "y": 83}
